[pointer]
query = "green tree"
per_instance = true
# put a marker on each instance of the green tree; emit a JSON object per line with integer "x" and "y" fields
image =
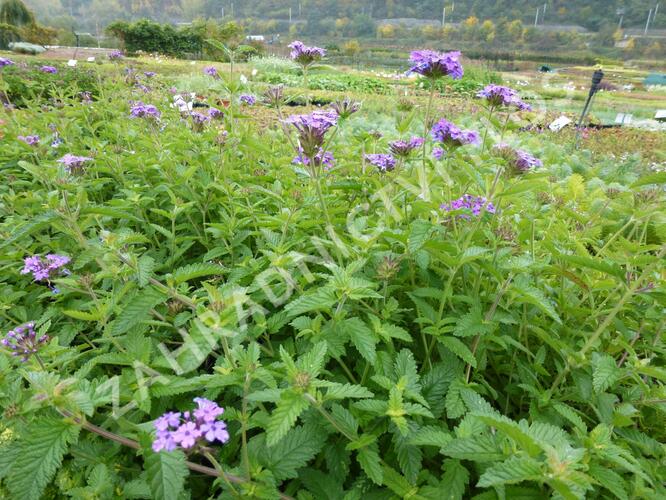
{"x": 15, "y": 13}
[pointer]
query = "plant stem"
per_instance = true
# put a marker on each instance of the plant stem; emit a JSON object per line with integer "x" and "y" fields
{"x": 130, "y": 443}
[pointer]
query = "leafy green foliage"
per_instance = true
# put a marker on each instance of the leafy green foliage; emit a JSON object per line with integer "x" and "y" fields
{"x": 166, "y": 474}
{"x": 363, "y": 341}
{"x": 38, "y": 456}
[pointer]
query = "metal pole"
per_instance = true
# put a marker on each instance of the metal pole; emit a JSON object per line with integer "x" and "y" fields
{"x": 619, "y": 26}
{"x": 443, "y": 16}
{"x": 543, "y": 14}
{"x": 647, "y": 24}
{"x": 536, "y": 18}
{"x": 289, "y": 15}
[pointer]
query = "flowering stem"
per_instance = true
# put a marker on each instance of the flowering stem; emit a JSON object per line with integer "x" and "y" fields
{"x": 244, "y": 451}
{"x": 130, "y": 443}
{"x": 488, "y": 317}
{"x": 426, "y": 120}
{"x": 218, "y": 468}
{"x": 305, "y": 84}
{"x": 506, "y": 122}
{"x": 41, "y": 363}
{"x": 608, "y": 320}
{"x": 327, "y": 416}
{"x": 485, "y": 132}
{"x": 320, "y": 195}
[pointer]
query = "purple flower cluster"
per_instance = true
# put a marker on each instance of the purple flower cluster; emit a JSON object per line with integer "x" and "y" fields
{"x": 5, "y": 62}
{"x": 215, "y": 113}
{"x": 322, "y": 158}
{"x": 433, "y": 64}
{"x": 519, "y": 159}
{"x": 247, "y": 99}
{"x": 404, "y": 148}
{"x": 274, "y": 96}
{"x": 312, "y": 128}
{"x": 149, "y": 74}
{"x": 23, "y": 341}
{"x": 116, "y": 55}
{"x": 525, "y": 161}
{"x": 187, "y": 429}
{"x": 48, "y": 69}
{"x": 451, "y": 136}
{"x": 141, "y": 110}
{"x": 469, "y": 204}
{"x": 43, "y": 269}
{"x": 73, "y": 164}
{"x": 346, "y": 107}
{"x": 86, "y": 97}
{"x": 305, "y": 55}
{"x": 383, "y": 162}
{"x": 30, "y": 140}
{"x": 199, "y": 118}
{"x": 498, "y": 96}
{"x": 211, "y": 71}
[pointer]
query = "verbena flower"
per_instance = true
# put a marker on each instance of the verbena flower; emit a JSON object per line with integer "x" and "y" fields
{"x": 141, "y": 110}
{"x": 247, "y": 99}
{"x": 346, "y": 107}
{"x": 5, "y": 62}
{"x": 312, "y": 129}
{"x": 23, "y": 341}
{"x": 520, "y": 160}
{"x": 469, "y": 205}
{"x": 149, "y": 74}
{"x": 274, "y": 96}
{"x": 322, "y": 158}
{"x": 383, "y": 162}
{"x": 305, "y": 55}
{"x": 199, "y": 118}
{"x": 499, "y": 96}
{"x": 143, "y": 87}
{"x": 116, "y": 55}
{"x": 47, "y": 268}
{"x": 74, "y": 164}
{"x": 404, "y": 148}
{"x": 30, "y": 140}
{"x": 434, "y": 65}
{"x": 86, "y": 97}
{"x": 48, "y": 69}
{"x": 215, "y": 113}
{"x": 189, "y": 429}
{"x": 451, "y": 136}
{"x": 211, "y": 71}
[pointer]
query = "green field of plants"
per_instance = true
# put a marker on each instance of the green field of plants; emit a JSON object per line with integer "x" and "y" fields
{"x": 289, "y": 280}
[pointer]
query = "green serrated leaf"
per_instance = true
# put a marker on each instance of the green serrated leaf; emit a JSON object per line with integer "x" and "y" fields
{"x": 368, "y": 459}
{"x": 293, "y": 452}
{"x": 458, "y": 348}
{"x": 166, "y": 473}
{"x": 198, "y": 270}
{"x": 610, "y": 480}
{"x": 283, "y": 418}
{"x": 454, "y": 481}
{"x": 39, "y": 456}
{"x": 362, "y": 337}
{"x": 604, "y": 372}
{"x": 136, "y": 310}
{"x": 512, "y": 471}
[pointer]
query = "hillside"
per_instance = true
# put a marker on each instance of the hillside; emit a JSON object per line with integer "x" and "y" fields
{"x": 592, "y": 14}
